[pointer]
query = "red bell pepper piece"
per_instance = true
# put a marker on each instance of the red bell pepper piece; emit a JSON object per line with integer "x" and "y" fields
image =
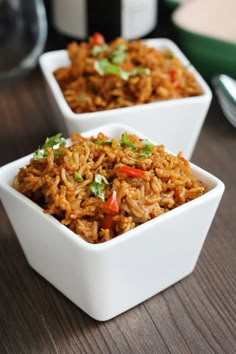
{"x": 108, "y": 222}
{"x": 97, "y": 39}
{"x": 111, "y": 205}
{"x": 173, "y": 78}
{"x": 131, "y": 171}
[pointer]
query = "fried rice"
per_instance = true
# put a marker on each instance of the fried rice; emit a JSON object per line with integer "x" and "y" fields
{"x": 101, "y": 188}
{"x": 121, "y": 74}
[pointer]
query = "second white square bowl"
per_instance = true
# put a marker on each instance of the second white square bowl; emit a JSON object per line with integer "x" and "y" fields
{"x": 175, "y": 123}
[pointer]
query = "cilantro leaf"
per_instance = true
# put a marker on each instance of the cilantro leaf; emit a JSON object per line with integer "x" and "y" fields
{"x": 146, "y": 150}
{"x": 124, "y": 74}
{"x": 82, "y": 97}
{"x": 105, "y": 66}
{"x": 125, "y": 140}
{"x": 97, "y": 49}
{"x": 97, "y": 189}
{"x": 98, "y": 186}
{"x": 101, "y": 142}
{"x": 169, "y": 54}
{"x": 39, "y": 154}
{"x": 100, "y": 178}
{"x": 58, "y": 153}
{"x": 52, "y": 142}
{"x": 118, "y": 55}
{"x": 139, "y": 71}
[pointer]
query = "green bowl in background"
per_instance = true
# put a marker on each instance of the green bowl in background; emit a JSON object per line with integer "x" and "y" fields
{"x": 172, "y": 4}
{"x": 209, "y": 55}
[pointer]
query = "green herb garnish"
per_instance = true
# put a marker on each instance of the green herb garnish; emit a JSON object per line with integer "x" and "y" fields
{"x": 58, "y": 153}
{"x": 187, "y": 66}
{"x": 81, "y": 97}
{"x": 52, "y": 142}
{"x": 146, "y": 150}
{"x": 118, "y": 55}
{"x": 125, "y": 140}
{"x": 78, "y": 177}
{"x": 124, "y": 74}
{"x": 104, "y": 66}
{"x": 139, "y": 71}
{"x": 169, "y": 54}
{"x": 39, "y": 154}
{"x": 101, "y": 142}
{"x": 98, "y": 186}
{"x": 97, "y": 49}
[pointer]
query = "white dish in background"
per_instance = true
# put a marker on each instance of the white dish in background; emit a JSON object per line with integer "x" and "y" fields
{"x": 176, "y": 123}
{"x": 211, "y": 18}
{"x": 107, "y": 279}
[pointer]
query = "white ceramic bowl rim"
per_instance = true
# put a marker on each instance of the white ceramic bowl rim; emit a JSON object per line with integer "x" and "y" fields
{"x": 212, "y": 182}
{"x": 47, "y": 58}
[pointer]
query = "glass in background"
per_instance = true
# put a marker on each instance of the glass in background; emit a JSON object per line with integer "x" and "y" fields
{"x": 23, "y": 34}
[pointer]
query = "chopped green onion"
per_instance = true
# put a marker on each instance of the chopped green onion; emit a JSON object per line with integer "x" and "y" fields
{"x": 125, "y": 140}
{"x": 78, "y": 177}
{"x": 98, "y": 186}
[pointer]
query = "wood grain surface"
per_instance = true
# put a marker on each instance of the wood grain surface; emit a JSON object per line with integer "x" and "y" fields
{"x": 196, "y": 315}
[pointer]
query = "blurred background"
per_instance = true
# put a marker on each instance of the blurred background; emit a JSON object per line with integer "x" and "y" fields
{"x": 204, "y": 30}
{"x": 29, "y": 28}
{"x": 131, "y": 19}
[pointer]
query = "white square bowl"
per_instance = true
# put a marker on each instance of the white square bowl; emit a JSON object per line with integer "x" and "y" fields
{"x": 107, "y": 279}
{"x": 176, "y": 123}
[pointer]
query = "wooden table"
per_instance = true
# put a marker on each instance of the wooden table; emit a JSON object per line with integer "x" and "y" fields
{"x": 196, "y": 315}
